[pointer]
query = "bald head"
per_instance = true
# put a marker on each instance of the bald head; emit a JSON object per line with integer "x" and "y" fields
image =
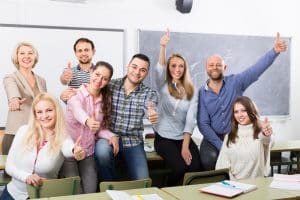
{"x": 216, "y": 58}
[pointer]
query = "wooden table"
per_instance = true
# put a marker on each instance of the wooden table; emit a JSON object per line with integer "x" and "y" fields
{"x": 263, "y": 191}
{"x": 104, "y": 195}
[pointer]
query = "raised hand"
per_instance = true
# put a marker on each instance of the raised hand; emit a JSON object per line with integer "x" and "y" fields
{"x": 280, "y": 45}
{"x": 164, "y": 40}
{"x": 79, "y": 153}
{"x": 266, "y": 127}
{"x": 93, "y": 124}
{"x": 152, "y": 114}
{"x": 15, "y": 103}
{"x": 68, "y": 74}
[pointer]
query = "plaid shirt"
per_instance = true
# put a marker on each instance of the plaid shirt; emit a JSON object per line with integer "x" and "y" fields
{"x": 128, "y": 111}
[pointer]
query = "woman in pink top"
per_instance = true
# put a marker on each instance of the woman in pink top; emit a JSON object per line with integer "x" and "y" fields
{"x": 89, "y": 115}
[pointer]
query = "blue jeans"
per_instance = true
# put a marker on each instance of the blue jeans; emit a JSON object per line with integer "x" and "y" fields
{"x": 134, "y": 158}
{"x": 5, "y": 195}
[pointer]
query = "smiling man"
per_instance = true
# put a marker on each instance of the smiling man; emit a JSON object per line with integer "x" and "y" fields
{"x": 218, "y": 94}
{"x": 131, "y": 101}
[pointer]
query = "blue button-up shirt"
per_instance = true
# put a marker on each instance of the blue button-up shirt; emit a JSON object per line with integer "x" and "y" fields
{"x": 215, "y": 110}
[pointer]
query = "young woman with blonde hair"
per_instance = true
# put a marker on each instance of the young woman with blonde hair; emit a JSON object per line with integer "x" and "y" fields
{"x": 177, "y": 115}
{"x": 39, "y": 148}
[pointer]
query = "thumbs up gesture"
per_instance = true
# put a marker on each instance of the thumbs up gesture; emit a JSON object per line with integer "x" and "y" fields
{"x": 164, "y": 40}
{"x": 93, "y": 124}
{"x": 78, "y": 151}
{"x": 68, "y": 74}
{"x": 266, "y": 127}
{"x": 152, "y": 114}
{"x": 280, "y": 45}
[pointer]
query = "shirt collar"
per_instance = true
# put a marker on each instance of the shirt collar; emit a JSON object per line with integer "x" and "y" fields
{"x": 86, "y": 93}
{"x": 78, "y": 67}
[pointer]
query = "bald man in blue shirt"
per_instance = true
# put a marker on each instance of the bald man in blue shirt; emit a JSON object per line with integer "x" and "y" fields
{"x": 216, "y": 98}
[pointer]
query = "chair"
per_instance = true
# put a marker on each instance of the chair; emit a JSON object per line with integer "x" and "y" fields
{"x": 278, "y": 160}
{"x": 212, "y": 176}
{"x": 125, "y": 185}
{"x": 55, "y": 187}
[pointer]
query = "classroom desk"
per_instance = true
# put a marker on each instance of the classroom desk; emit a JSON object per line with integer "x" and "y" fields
{"x": 290, "y": 146}
{"x": 263, "y": 191}
{"x": 104, "y": 195}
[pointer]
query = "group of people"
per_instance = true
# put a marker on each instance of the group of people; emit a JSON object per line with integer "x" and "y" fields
{"x": 103, "y": 120}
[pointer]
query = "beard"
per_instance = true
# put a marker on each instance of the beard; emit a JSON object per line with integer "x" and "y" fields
{"x": 218, "y": 77}
{"x": 85, "y": 62}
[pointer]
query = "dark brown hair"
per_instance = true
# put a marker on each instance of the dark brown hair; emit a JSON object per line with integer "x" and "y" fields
{"x": 106, "y": 96}
{"x": 253, "y": 116}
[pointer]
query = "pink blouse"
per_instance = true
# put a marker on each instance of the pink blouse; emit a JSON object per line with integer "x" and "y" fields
{"x": 79, "y": 108}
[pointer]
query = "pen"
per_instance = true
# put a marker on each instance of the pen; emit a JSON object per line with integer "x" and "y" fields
{"x": 228, "y": 184}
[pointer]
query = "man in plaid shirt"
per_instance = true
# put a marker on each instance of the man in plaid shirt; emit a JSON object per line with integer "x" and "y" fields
{"x": 131, "y": 101}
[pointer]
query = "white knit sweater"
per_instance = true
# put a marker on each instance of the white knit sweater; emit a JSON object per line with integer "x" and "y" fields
{"x": 247, "y": 157}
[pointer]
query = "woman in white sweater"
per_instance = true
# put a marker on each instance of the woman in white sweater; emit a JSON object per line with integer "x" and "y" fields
{"x": 246, "y": 149}
{"x": 38, "y": 149}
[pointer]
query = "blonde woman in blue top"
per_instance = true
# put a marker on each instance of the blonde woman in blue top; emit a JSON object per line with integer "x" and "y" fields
{"x": 178, "y": 106}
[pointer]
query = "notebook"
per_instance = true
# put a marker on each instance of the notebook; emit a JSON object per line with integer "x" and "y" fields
{"x": 228, "y": 188}
{"x": 287, "y": 182}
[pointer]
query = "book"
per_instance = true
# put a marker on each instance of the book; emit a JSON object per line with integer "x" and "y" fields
{"x": 121, "y": 195}
{"x": 287, "y": 182}
{"x": 228, "y": 188}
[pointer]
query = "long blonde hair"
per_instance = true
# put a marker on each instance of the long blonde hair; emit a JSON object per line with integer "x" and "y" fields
{"x": 185, "y": 81}
{"x": 34, "y": 136}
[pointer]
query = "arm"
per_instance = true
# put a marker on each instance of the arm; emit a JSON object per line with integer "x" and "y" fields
{"x": 223, "y": 160}
{"x": 160, "y": 68}
{"x": 11, "y": 167}
{"x": 13, "y": 94}
{"x": 204, "y": 121}
{"x": 185, "y": 151}
{"x": 250, "y": 75}
{"x": 164, "y": 40}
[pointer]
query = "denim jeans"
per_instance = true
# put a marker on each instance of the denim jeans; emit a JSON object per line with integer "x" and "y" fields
{"x": 5, "y": 195}
{"x": 134, "y": 158}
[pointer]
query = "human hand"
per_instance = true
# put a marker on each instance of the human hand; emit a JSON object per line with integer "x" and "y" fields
{"x": 15, "y": 103}
{"x": 186, "y": 155}
{"x": 152, "y": 114}
{"x": 164, "y": 40}
{"x": 34, "y": 180}
{"x": 266, "y": 127}
{"x": 280, "y": 45}
{"x": 68, "y": 74}
{"x": 114, "y": 141}
{"x": 67, "y": 94}
{"x": 93, "y": 124}
{"x": 78, "y": 151}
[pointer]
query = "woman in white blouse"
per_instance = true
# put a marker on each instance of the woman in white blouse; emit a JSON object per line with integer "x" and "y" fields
{"x": 38, "y": 149}
{"x": 246, "y": 149}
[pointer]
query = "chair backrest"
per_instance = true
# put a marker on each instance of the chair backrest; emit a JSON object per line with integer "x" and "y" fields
{"x": 212, "y": 176}
{"x": 55, "y": 187}
{"x": 125, "y": 185}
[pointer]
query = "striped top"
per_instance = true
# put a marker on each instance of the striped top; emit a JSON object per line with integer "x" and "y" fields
{"x": 128, "y": 111}
{"x": 79, "y": 77}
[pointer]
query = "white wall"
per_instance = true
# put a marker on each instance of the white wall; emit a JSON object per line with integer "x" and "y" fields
{"x": 253, "y": 17}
